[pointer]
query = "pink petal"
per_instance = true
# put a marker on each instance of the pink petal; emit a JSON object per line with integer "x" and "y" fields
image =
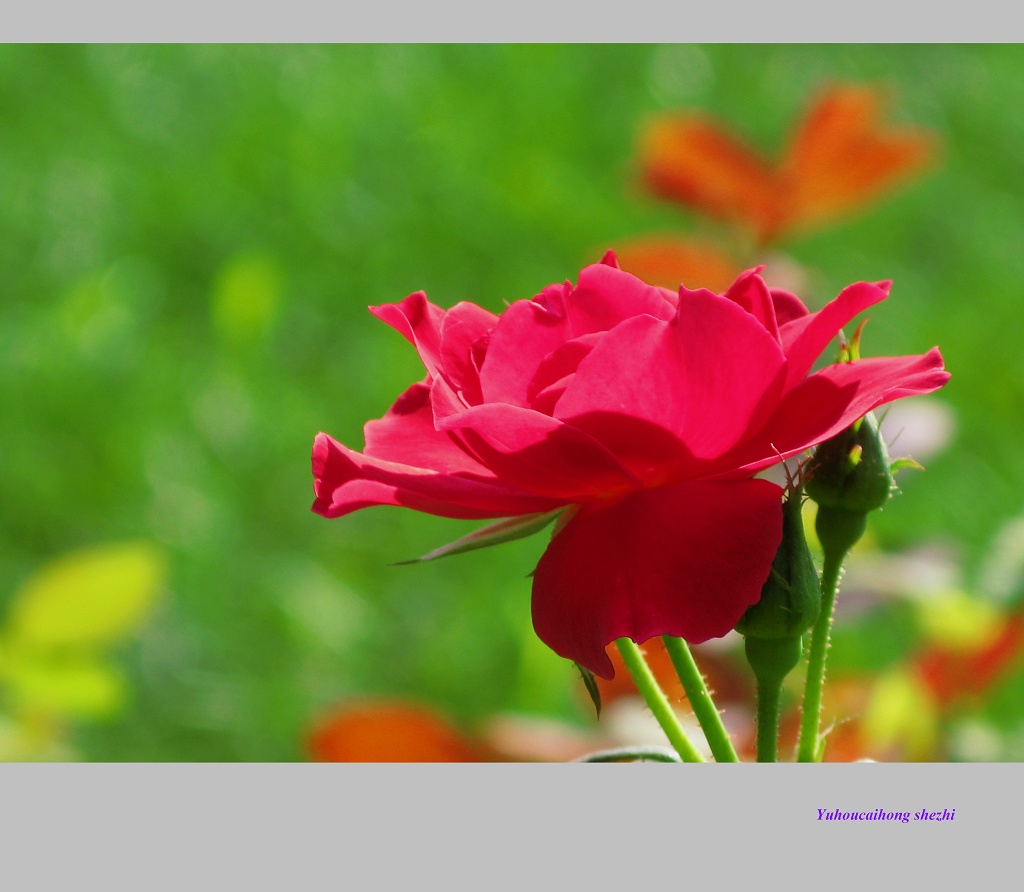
{"x": 419, "y": 322}
{"x": 559, "y": 365}
{"x": 804, "y": 339}
{"x": 526, "y": 332}
{"x": 537, "y": 453}
{"x": 606, "y": 296}
{"x": 530, "y": 330}
{"x": 684, "y": 560}
{"x": 406, "y": 435}
{"x": 833, "y": 399}
{"x": 751, "y": 293}
{"x": 345, "y": 481}
{"x": 464, "y": 325}
{"x": 707, "y": 377}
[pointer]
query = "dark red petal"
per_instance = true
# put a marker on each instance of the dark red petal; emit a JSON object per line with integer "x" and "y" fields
{"x": 419, "y": 322}
{"x": 406, "y": 435}
{"x": 345, "y": 481}
{"x": 804, "y": 339}
{"x": 708, "y": 377}
{"x": 751, "y": 293}
{"x": 788, "y": 307}
{"x": 835, "y": 398}
{"x": 535, "y": 452}
{"x": 684, "y": 560}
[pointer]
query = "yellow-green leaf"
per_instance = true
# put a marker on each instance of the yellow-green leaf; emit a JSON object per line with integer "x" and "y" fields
{"x": 901, "y": 713}
{"x": 31, "y": 741}
{"x": 64, "y": 687}
{"x": 88, "y": 598}
{"x": 957, "y": 621}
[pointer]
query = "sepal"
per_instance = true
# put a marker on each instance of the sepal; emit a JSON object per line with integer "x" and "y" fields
{"x": 506, "y": 530}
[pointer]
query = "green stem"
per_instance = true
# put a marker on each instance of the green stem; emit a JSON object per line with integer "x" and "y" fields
{"x": 768, "y": 721}
{"x": 656, "y": 700}
{"x": 700, "y": 699}
{"x": 772, "y": 659}
{"x": 809, "y": 741}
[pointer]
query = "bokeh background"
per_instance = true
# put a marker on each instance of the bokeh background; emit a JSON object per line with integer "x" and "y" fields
{"x": 189, "y": 239}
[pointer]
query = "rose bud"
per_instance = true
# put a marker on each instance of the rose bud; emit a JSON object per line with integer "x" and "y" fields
{"x": 791, "y": 596}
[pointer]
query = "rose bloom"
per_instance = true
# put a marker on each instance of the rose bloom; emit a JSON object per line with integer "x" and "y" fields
{"x": 646, "y": 412}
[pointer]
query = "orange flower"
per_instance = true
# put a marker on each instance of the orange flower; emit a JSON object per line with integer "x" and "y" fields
{"x": 840, "y": 157}
{"x": 410, "y": 731}
{"x": 390, "y": 732}
{"x": 669, "y": 262}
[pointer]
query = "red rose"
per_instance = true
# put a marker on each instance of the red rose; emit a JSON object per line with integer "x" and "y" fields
{"x": 651, "y": 411}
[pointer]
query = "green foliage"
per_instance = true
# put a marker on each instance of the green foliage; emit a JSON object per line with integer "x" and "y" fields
{"x": 88, "y": 599}
{"x": 54, "y": 648}
{"x": 190, "y": 236}
{"x": 874, "y": 641}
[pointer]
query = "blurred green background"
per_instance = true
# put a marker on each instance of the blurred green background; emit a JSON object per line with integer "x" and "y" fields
{"x": 189, "y": 239}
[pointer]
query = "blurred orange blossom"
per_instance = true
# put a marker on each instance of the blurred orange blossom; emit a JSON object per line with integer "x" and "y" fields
{"x": 840, "y": 157}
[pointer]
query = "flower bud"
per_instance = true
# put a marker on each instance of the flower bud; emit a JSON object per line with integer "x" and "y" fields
{"x": 849, "y": 476}
{"x": 852, "y": 470}
{"x": 791, "y": 596}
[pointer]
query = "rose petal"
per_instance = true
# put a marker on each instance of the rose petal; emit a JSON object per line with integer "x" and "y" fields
{"x": 559, "y": 365}
{"x": 345, "y": 481}
{"x": 684, "y": 560}
{"x": 706, "y": 377}
{"x": 788, "y": 307}
{"x": 751, "y": 293}
{"x": 419, "y": 322}
{"x": 406, "y": 435}
{"x": 833, "y": 399}
{"x": 527, "y": 332}
{"x": 805, "y": 339}
{"x": 462, "y": 327}
{"x": 538, "y": 453}
{"x": 607, "y": 296}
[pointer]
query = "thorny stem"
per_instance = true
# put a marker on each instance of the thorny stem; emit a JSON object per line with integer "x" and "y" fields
{"x": 700, "y": 699}
{"x": 656, "y": 700}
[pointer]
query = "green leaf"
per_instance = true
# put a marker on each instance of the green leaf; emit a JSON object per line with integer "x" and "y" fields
{"x": 493, "y": 534}
{"x": 87, "y": 598}
{"x": 66, "y": 687}
{"x": 591, "y": 685}
{"x": 633, "y": 754}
